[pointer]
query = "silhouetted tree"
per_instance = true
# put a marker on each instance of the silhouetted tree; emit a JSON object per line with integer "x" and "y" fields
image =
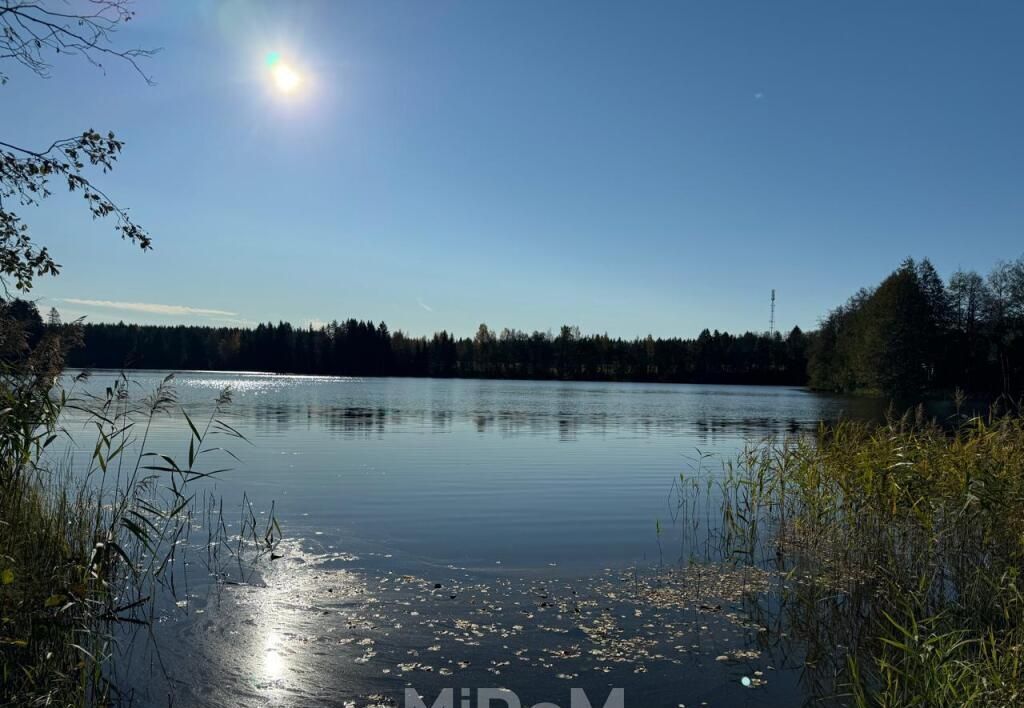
{"x": 355, "y": 348}
{"x": 914, "y": 333}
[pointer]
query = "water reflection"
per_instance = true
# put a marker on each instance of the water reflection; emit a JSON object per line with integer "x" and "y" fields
{"x": 288, "y": 636}
{"x": 273, "y": 662}
{"x": 332, "y": 629}
{"x": 476, "y": 520}
{"x": 479, "y": 472}
{"x": 279, "y": 417}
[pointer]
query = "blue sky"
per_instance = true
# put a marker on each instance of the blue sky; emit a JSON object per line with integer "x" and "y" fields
{"x": 632, "y": 168}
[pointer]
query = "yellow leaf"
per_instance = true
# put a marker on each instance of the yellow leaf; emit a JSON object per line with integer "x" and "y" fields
{"x": 54, "y": 600}
{"x": 7, "y": 576}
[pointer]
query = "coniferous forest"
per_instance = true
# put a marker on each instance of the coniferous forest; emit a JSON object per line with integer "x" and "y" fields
{"x": 912, "y": 333}
{"x": 357, "y": 348}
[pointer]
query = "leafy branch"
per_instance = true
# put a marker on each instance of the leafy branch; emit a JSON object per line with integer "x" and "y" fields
{"x": 26, "y": 175}
{"x": 31, "y": 31}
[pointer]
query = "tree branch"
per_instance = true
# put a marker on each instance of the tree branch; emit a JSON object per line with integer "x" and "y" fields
{"x": 29, "y": 29}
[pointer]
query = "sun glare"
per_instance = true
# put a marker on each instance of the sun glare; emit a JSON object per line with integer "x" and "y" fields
{"x": 283, "y": 76}
{"x": 286, "y": 79}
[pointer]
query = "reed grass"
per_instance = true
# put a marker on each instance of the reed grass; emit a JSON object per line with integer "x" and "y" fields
{"x": 902, "y": 545}
{"x": 87, "y": 546}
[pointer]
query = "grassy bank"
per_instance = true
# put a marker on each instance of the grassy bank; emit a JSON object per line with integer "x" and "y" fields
{"x": 904, "y": 546}
{"x": 88, "y": 542}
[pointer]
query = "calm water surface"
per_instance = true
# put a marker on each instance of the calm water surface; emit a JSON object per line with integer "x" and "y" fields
{"x": 417, "y": 509}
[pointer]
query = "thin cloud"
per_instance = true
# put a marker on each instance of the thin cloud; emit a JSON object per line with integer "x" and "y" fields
{"x": 153, "y": 308}
{"x": 424, "y": 305}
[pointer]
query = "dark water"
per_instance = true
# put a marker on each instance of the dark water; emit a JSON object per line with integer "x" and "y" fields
{"x": 437, "y": 529}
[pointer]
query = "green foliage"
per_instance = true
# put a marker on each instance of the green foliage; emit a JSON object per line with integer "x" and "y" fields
{"x": 25, "y": 177}
{"x": 84, "y": 548}
{"x": 912, "y": 333}
{"x": 30, "y": 31}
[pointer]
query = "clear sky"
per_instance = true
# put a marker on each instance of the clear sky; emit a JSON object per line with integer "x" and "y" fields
{"x": 628, "y": 167}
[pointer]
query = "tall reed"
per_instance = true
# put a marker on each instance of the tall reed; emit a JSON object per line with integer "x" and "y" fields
{"x": 87, "y": 546}
{"x": 902, "y": 545}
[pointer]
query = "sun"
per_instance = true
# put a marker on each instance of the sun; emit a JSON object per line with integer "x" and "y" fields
{"x": 285, "y": 78}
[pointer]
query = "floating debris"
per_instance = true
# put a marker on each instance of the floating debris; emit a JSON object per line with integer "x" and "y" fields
{"x": 619, "y": 628}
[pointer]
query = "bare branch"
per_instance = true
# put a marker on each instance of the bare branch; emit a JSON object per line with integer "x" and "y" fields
{"x": 30, "y": 31}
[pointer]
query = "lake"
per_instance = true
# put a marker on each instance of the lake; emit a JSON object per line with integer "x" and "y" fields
{"x": 470, "y": 533}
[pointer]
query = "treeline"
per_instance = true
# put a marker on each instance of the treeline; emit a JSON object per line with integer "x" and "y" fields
{"x": 914, "y": 333}
{"x": 357, "y": 348}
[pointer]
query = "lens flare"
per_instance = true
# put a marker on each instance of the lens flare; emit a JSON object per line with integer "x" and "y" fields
{"x": 284, "y": 77}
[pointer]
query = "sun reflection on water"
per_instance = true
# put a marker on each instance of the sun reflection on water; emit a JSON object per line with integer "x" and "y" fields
{"x": 274, "y": 664}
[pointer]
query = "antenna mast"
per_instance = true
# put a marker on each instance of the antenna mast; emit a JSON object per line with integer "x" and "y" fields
{"x": 771, "y": 322}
